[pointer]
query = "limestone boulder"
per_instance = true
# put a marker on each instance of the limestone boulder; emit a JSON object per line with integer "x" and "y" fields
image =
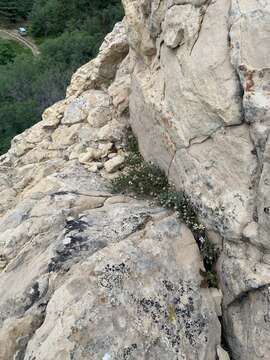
{"x": 100, "y": 72}
{"x": 114, "y": 164}
{"x": 125, "y": 288}
{"x": 101, "y": 110}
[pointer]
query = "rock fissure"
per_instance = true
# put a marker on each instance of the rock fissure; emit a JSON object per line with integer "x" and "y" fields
{"x": 244, "y": 295}
{"x": 203, "y": 12}
{"x": 170, "y": 164}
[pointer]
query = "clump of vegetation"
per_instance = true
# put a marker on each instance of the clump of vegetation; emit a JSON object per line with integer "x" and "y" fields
{"x": 146, "y": 179}
{"x": 14, "y": 10}
{"x": 7, "y": 53}
{"x": 9, "y": 49}
{"x": 140, "y": 177}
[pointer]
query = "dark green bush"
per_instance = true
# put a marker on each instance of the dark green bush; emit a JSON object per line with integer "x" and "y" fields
{"x": 7, "y": 52}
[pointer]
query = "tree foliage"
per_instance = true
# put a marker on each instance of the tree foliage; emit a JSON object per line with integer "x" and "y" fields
{"x": 14, "y": 10}
{"x": 53, "y": 17}
{"x": 7, "y": 52}
{"x": 72, "y": 32}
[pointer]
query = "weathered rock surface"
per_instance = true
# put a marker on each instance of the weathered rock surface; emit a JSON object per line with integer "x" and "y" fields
{"x": 97, "y": 275}
{"x": 199, "y": 105}
{"x": 85, "y": 274}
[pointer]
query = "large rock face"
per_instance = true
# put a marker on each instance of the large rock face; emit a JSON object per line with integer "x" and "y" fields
{"x": 200, "y": 106}
{"x": 85, "y": 274}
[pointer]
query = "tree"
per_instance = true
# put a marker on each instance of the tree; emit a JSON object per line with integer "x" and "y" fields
{"x": 48, "y": 18}
{"x": 8, "y": 9}
{"x": 7, "y": 53}
{"x": 14, "y": 118}
{"x": 68, "y": 50}
{"x": 30, "y": 84}
{"x": 13, "y": 10}
{"x": 52, "y": 17}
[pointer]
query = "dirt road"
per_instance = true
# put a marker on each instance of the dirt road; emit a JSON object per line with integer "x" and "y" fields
{"x": 25, "y": 41}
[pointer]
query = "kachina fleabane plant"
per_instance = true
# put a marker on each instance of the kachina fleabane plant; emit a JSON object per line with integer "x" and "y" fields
{"x": 139, "y": 176}
{"x": 146, "y": 179}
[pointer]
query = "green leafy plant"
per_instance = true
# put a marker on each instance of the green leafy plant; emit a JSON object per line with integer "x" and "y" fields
{"x": 146, "y": 179}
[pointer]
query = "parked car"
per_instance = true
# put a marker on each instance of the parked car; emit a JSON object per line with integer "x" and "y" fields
{"x": 22, "y": 31}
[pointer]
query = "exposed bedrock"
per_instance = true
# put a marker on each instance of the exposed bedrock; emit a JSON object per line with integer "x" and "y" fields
{"x": 200, "y": 106}
{"x": 87, "y": 274}
{"x": 84, "y": 273}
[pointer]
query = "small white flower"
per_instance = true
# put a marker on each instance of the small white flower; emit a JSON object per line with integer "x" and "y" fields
{"x": 202, "y": 240}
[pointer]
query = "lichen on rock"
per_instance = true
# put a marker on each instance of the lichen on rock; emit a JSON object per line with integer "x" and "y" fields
{"x": 87, "y": 274}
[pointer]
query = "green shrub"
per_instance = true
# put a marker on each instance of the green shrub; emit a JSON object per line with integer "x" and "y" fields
{"x": 7, "y": 53}
{"x": 140, "y": 177}
{"x": 146, "y": 179}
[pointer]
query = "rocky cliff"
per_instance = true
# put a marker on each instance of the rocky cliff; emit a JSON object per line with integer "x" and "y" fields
{"x": 200, "y": 105}
{"x": 87, "y": 274}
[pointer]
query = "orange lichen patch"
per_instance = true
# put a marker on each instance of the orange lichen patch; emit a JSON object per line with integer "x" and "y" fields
{"x": 249, "y": 81}
{"x": 248, "y": 75}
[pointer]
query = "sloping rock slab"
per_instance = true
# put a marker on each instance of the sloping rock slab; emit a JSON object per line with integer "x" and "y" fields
{"x": 135, "y": 299}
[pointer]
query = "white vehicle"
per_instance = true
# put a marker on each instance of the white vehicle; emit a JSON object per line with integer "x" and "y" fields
{"x": 22, "y": 31}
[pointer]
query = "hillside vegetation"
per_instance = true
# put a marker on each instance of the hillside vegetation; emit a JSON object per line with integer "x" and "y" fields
{"x": 9, "y": 49}
{"x": 69, "y": 33}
